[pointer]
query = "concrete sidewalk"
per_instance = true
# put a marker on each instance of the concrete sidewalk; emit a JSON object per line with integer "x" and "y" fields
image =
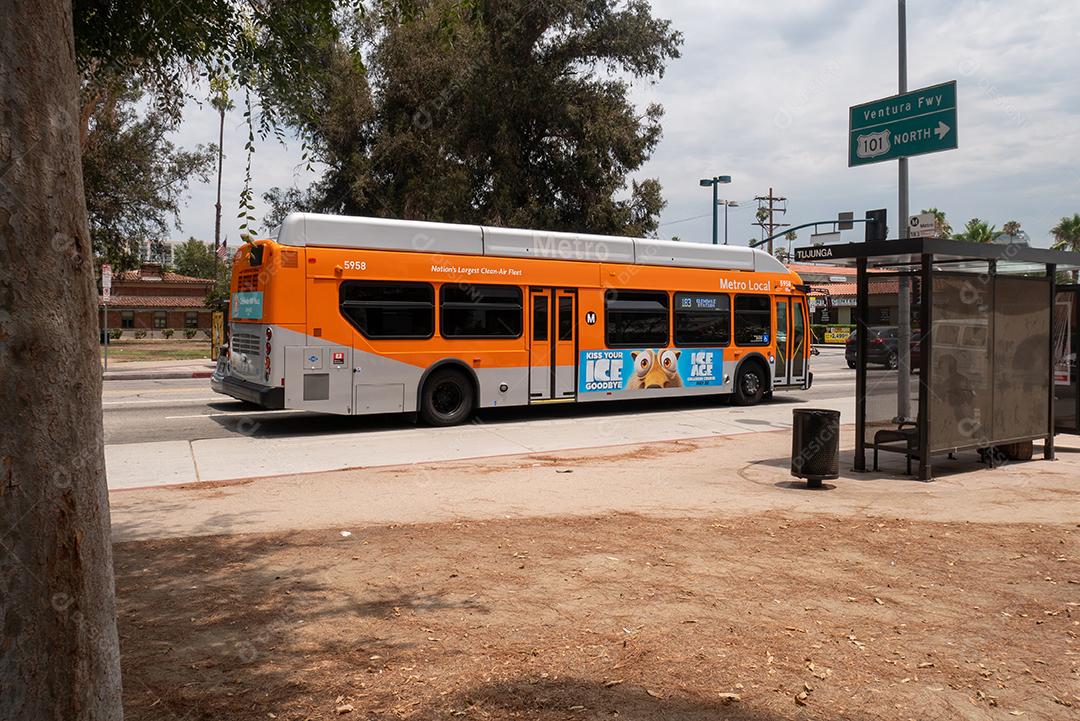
{"x": 720, "y": 476}
{"x": 158, "y": 370}
{"x": 255, "y": 450}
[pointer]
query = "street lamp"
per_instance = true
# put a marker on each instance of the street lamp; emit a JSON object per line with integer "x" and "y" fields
{"x": 706, "y": 182}
{"x": 727, "y": 204}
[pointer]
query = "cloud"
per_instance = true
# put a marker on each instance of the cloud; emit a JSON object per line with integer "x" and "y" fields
{"x": 762, "y": 91}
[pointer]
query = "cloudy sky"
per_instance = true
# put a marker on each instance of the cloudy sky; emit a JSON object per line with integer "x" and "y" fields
{"x": 761, "y": 93}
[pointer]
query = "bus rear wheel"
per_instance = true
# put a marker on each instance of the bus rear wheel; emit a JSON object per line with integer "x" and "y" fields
{"x": 447, "y": 398}
{"x": 749, "y": 385}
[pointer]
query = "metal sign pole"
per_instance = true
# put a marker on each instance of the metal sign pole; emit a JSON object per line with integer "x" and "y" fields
{"x": 106, "y": 294}
{"x": 903, "y": 386}
{"x": 106, "y": 337}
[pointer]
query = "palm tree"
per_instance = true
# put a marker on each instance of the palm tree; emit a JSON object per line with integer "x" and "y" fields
{"x": 977, "y": 231}
{"x": 942, "y": 224}
{"x": 1011, "y": 228}
{"x": 1067, "y": 236}
{"x": 219, "y": 99}
{"x": 1067, "y": 233}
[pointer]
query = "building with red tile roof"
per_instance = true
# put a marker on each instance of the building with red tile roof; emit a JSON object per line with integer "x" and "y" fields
{"x": 834, "y": 302}
{"x": 153, "y": 299}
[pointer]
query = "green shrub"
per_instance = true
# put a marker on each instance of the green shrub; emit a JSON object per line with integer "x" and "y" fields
{"x": 115, "y": 333}
{"x": 140, "y": 334}
{"x": 189, "y": 333}
{"x": 167, "y": 332}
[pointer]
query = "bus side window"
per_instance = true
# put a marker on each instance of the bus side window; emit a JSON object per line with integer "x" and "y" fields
{"x": 636, "y": 318}
{"x": 389, "y": 310}
{"x": 702, "y": 319}
{"x": 753, "y": 320}
{"x": 480, "y": 311}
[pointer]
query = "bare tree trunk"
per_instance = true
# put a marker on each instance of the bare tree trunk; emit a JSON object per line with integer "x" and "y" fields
{"x": 59, "y": 654}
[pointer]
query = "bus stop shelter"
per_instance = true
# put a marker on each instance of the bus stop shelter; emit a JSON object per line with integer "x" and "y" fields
{"x": 960, "y": 347}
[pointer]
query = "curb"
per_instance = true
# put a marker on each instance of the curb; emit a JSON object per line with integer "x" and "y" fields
{"x": 153, "y": 375}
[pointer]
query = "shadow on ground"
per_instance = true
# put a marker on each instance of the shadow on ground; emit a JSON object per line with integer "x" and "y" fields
{"x": 211, "y": 626}
{"x": 891, "y": 466}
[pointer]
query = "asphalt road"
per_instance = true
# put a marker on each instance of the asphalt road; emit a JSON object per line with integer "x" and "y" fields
{"x": 177, "y": 432}
{"x": 187, "y": 410}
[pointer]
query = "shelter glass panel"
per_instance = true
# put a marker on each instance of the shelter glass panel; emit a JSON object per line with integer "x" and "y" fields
{"x": 960, "y": 396}
{"x": 1021, "y": 357}
{"x": 1066, "y": 341}
{"x": 886, "y": 413}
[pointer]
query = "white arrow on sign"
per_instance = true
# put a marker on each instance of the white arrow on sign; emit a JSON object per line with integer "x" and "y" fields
{"x": 942, "y": 130}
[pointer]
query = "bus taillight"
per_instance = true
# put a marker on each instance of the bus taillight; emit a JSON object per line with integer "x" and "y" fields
{"x": 266, "y": 359}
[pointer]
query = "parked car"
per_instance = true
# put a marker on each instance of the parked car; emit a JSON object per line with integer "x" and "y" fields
{"x": 882, "y": 347}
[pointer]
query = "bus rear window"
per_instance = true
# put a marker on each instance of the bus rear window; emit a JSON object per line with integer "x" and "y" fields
{"x": 255, "y": 255}
{"x": 389, "y": 310}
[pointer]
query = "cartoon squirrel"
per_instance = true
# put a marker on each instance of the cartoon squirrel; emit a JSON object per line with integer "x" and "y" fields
{"x": 655, "y": 369}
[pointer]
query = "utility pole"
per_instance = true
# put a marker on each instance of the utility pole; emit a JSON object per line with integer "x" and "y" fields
{"x": 903, "y": 385}
{"x": 769, "y": 226}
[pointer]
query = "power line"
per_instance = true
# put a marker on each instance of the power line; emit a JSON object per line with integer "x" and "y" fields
{"x": 683, "y": 220}
{"x": 734, "y": 204}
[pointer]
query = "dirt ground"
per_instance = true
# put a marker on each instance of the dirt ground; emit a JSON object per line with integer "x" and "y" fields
{"x": 613, "y": 616}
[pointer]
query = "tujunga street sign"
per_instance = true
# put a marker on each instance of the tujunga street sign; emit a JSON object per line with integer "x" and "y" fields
{"x": 809, "y": 255}
{"x": 915, "y": 123}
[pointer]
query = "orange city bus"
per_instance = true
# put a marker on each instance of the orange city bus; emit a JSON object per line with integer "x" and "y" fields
{"x": 367, "y": 315}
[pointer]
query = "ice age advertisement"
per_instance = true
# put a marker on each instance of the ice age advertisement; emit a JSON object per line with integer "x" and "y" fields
{"x": 626, "y": 370}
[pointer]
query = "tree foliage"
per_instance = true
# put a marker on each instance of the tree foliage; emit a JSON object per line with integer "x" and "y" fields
{"x": 1067, "y": 233}
{"x": 503, "y": 112}
{"x": 134, "y": 177}
{"x": 195, "y": 258}
{"x": 267, "y": 50}
{"x": 977, "y": 231}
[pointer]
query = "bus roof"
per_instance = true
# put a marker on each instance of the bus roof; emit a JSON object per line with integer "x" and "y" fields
{"x": 339, "y": 231}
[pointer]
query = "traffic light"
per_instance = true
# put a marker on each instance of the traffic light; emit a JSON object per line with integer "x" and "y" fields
{"x": 876, "y": 225}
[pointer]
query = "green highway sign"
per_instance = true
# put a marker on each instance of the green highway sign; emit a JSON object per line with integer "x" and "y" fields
{"x": 922, "y": 121}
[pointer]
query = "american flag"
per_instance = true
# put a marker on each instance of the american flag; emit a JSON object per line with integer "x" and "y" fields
{"x": 223, "y": 250}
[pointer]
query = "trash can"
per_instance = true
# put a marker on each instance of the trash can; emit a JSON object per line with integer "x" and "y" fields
{"x": 815, "y": 445}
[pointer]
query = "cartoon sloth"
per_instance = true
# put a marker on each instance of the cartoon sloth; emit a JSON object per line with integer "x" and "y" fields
{"x": 655, "y": 369}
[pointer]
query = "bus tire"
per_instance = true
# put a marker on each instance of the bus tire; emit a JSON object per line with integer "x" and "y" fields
{"x": 749, "y": 385}
{"x": 447, "y": 398}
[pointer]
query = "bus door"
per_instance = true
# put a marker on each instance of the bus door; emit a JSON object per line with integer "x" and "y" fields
{"x": 790, "y": 342}
{"x": 552, "y": 345}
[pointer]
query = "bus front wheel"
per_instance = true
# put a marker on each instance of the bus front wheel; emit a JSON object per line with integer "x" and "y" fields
{"x": 447, "y": 398}
{"x": 749, "y": 385}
